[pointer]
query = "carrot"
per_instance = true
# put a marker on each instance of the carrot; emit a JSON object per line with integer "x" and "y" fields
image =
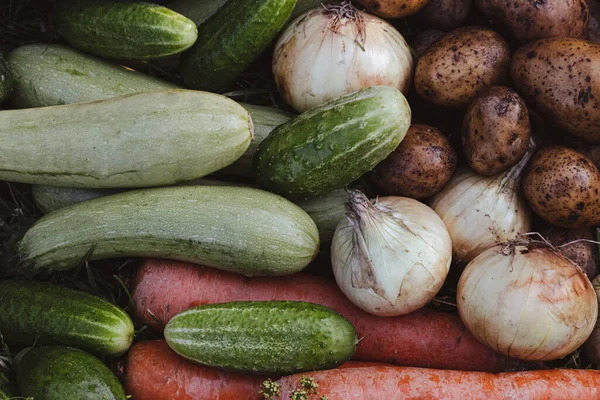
{"x": 425, "y": 338}
{"x": 406, "y": 383}
{"x": 155, "y": 372}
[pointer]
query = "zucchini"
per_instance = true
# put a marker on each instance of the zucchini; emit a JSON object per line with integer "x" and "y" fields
{"x": 65, "y": 373}
{"x": 41, "y": 313}
{"x": 116, "y": 29}
{"x": 8, "y": 391}
{"x": 138, "y": 140}
{"x": 276, "y": 337}
{"x": 327, "y": 211}
{"x": 52, "y": 75}
{"x": 230, "y": 40}
{"x": 50, "y": 198}
{"x": 238, "y": 229}
{"x": 6, "y": 80}
{"x": 333, "y": 144}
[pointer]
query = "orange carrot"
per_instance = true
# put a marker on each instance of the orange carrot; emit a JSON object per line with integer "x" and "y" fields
{"x": 406, "y": 383}
{"x": 425, "y": 338}
{"x": 155, "y": 372}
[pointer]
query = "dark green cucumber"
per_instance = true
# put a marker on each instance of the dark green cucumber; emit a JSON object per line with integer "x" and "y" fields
{"x": 8, "y": 390}
{"x": 333, "y": 144}
{"x": 238, "y": 229}
{"x": 278, "y": 337}
{"x": 327, "y": 211}
{"x": 52, "y": 75}
{"x": 230, "y": 40}
{"x": 6, "y": 80}
{"x": 41, "y": 313}
{"x": 114, "y": 29}
{"x": 65, "y": 373}
{"x": 139, "y": 140}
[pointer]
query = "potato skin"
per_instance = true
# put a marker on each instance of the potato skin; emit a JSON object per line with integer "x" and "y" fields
{"x": 563, "y": 187}
{"x": 530, "y": 20}
{"x": 393, "y": 8}
{"x": 419, "y": 167}
{"x": 496, "y": 131}
{"x": 461, "y": 65}
{"x": 561, "y": 78}
{"x": 581, "y": 253}
{"x": 446, "y": 14}
{"x": 424, "y": 40}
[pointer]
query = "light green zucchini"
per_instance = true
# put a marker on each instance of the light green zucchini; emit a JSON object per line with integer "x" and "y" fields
{"x": 238, "y": 229}
{"x": 52, "y": 75}
{"x": 327, "y": 211}
{"x": 123, "y": 30}
{"x": 6, "y": 80}
{"x": 140, "y": 140}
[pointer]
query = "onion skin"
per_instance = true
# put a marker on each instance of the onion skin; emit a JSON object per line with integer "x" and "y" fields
{"x": 318, "y": 58}
{"x": 527, "y": 302}
{"x": 390, "y": 256}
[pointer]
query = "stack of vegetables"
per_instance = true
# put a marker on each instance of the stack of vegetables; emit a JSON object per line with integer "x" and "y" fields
{"x": 304, "y": 249}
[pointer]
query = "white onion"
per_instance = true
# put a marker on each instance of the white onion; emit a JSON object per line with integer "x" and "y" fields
{"x": 592, "y": 345}
{"x": 335, "y": 50}
{"x": 481, "y": 211}
{"x": 390, "y": 256}
{"x": 527, "y": 301}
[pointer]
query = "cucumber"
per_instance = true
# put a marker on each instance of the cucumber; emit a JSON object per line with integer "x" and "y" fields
{"x": 122, "y": 30}
{"x": 7, "y": 389}
{"x": 277, "y": 337}
{"x": 230, "y": 40}
{"x": 6, "y": 80}
{"x": 52, "y": 75}
{"x": 265, "y": 119}
{"x": 238, "y": 229}
{"x": 197, "y": 11}
{"x": 327, "y": 211}
{"x": 333, "y": 144}
{"x": 41, "y": 313}
{"x": 65, "y": 373}
{"x": 139, "y": 140}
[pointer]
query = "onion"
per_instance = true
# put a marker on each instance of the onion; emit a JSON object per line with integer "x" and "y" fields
{"x": 390, "y": 256}
{"x": 527, "y": 301}
{"x": 481, "y": 211}
{"x": 335, "y": 50}
{"x": 591, "y": 347}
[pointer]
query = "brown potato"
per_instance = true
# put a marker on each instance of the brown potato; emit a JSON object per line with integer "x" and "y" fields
{"x": 496, "y": 131}
{"x": 563, "y": 187}
{"x": 446, "y": 14}
{"x": 393, "y": 8}
{"x": 561, "y": 78}
{"x": 530, "y": 20}
{"x": 461, "y": 65}
{"x": 579, "y": 251}
{"x": 424, "y": 40}
{"x": 419, "y": 167}
{"x": 593, "y": 31}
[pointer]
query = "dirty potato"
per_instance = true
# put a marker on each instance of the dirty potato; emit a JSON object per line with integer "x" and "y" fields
{"x": 561, "y": 78}
{"x": 393, "y": 8}
{"x": 461, "y": 65}
{"x": 530, "y": 20}
{"x": 496, "y": 131}
{"x": 446, "y": 14}
{"x": 419, "y": 167}
{"x": 563, "y": 187}
{"x": 424, "y": 40}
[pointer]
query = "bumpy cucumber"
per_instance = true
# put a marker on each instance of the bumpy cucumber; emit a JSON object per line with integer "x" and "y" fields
{"x": 140, "y": 140}
{"x": 231, "y": 39}
{"x": 52, "y": 75}
{"x": 41, "y": 313}
{"x": 332, "y": 145}
{"x": 278, "y": 337}
{"x": 124, "y": 30}
{"x": 64, "y": 373}
{"x": 239, "y": 229}
{"x": 327, "y": 211}
{"x": 6, "y": 80}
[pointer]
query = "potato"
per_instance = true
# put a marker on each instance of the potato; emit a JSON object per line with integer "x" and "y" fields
{"x": 446, "y": 14}
{"x": 461, "y": 65}
{"x": 496, "y": 131}
{"x": 593, "y": 32}
{"x": 424, "y": 40}
{"x": 419, "y": 167}
{"x": 393, "y": 8}
{"x": 530, "y": 20}
{"x": 577, "y": 249}
{"x": 563, "y": 187}
{"x": 561, "y": 78}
